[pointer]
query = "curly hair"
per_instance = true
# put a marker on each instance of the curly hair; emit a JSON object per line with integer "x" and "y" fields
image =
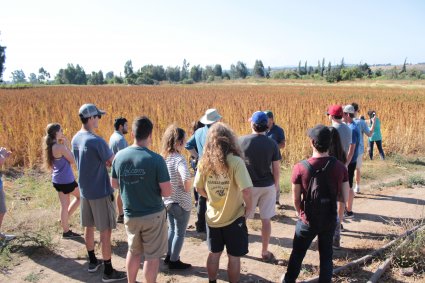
{"x": 172, "y": 136}
{"x": 48, "y": 141}
{"x": 221, "y": 141}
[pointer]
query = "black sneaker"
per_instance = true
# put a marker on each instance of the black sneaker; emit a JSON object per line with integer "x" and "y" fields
{"x": 114, "y": 276}
{"x": 120, "y": 219}
{"x": 348, "y": 214}
{"x": 93, "y": 267}
{"x": 70, "y": 234}
{"x": 178, "y": 265}
{"x": 342, "y": 228}
{"x": 167, "y": 259}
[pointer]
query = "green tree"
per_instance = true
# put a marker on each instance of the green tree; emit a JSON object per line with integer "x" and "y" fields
{"x": 196, "y": 73}
{"x": 172, "y": 74}
{"x": 403, "y": 69}
{"x": 32, "y": 78}
{"x": 342, "y": 66}
{"x": 258, "y": 70}
{"x": 240, "y": 71}
{"x": 43, "y": 75}
{"x": 96, "y": 78}
{"x": 208, "y": 73}
{"x": 2, "y": 60}
{"x": 109, "y": 77}
{"x": 218, "y": 72}
{"x": 18, "y": 77}
{"x": 299, "y": 68}
{"x": 184, "y": 74}
{"x": 322, "y": 71}
{"x": 71, "y": 75}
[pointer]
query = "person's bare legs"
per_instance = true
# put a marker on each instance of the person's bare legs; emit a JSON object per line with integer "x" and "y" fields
{"x": 357, "y": 174}
{"x": 119, "y": 205}
{"x": 234, "y": 268}
{"x": 1, "y": 218}
{"x": 105, "y": 240}
{"x": 132, "y": 263}
{"x": 75, "y": 203}
{"x": 64, "y": 200}
{"x": 150, "y": 270}
{"x": 213, "y": 261}
{"x": 266, "y": 230}
{"x": 350, "y": 200}
{"x": 89, "y": 238}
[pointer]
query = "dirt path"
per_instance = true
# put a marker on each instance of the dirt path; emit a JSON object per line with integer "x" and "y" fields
{"x": 376, "y": 212}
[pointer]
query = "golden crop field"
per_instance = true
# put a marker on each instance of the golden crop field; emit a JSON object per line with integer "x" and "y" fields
{"x": 26, "y": 112}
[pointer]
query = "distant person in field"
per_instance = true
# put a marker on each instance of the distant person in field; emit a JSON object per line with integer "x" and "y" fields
{"x": 143, "y": 178}
{"x": 179, "y": 204}
{"x": 4, "y": 154}
{"x": 364, "y": 129}
{"x": 116, "y": 143}
{"x": 376, "y": 137}
{"x": 194, "y": 160}
{"x": 92, "y": 156}
{"x": 58, "y": 158}
{"x": 278, "y": 135}
{"x": 223, "y": 179}
{"x": 262, "y": 157}
{"x": 331, "y": 187}
{"x": 348, "y": 119}
{"x": 195, "y": 145}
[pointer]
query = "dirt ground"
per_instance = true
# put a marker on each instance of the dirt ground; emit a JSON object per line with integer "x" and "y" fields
{"x": 379, "y": 215}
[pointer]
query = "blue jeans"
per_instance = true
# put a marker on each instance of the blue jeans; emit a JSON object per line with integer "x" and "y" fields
{"x": 178, "y": 218}
{"x": 304, "y": 235}
{"x": 379, "y": 145}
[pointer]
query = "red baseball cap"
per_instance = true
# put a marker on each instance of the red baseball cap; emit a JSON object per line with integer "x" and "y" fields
{"x": 335, "y": 110}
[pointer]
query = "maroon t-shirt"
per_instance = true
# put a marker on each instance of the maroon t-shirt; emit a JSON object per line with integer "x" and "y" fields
{"x": 301, "y": 176}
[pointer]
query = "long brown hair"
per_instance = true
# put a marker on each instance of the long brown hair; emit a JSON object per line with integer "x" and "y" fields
{"x": 335, "y": 149}
{"x": 172, "y": 136}
{"x": 48, "y": 141}
{"x": 221, "y": 141}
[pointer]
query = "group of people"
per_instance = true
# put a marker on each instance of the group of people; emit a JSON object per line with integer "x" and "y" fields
{"x": 233, "y": 177}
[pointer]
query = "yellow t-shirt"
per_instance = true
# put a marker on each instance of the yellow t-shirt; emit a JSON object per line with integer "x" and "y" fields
{"x": 225, "y": 201}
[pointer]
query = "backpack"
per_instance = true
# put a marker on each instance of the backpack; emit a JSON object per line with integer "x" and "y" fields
{"x": 319, "y": 202}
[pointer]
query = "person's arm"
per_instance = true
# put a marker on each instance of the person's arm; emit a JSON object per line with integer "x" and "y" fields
{"x": 109, "y": 161}
{"x": 184, "y": 172}
{"x": 165, "y": 188}
{"x": 247, "y": 198}
{"x": 341, "y": 203}
{"x": 202, "y": 192}
{"x": 114, "y": 183}
{"x": 296, "y": 198}
{"x": 372, "y": 128}
{"x": 66, "y": 152}
{"x": 276, "y": 174}
{"x": 4, "y": 154}
{"x": 281, "y": 144}
{"x": 350, "y": 153}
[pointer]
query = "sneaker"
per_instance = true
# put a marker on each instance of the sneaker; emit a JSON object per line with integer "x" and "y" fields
{"x": 357, "y": 189}
{"x": 93, "y": 267}
{"x": 69, "y": 235}
{"x": 348, "y": 214}
{"x": 114, "y": 276}
{"x": 167, "y": 259}
{"x": 342, "y": 228}
{"x": 7, "y": 237}
{"x": 278, "y": 205}
{"x": 178, "y": 265}
{"x": 120, "y": 219}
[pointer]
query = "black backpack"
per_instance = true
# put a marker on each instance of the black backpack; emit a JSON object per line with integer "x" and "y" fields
{"x": 319, "y": 202}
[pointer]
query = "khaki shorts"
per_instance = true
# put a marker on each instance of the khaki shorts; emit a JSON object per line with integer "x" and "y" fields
{"x": 265, "y": 199}
{"x": 147, "y": 235}
{"x": 359, "y": 161}
{"x": 99, "y": 213}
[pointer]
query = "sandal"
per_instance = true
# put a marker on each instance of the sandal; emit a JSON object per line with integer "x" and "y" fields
{"x": 268, "y": 258}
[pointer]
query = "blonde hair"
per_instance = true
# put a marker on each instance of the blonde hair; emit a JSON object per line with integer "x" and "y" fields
{"x": 172, "y": 136}
{"x": 221, "y": 141}
{"x": 48, "y": 141}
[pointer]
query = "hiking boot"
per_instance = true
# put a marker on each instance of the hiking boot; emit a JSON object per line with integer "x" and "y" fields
{"x": 178, "y": 265}
{"x": 114, "y": 276}
{"x": 93, "y": 267}
{"x": 6, "y": 237}
{"x": 167, "y": 259}
{"x": 120, "y": 219}
{"x": 348, "y": 214}
{"x": 69, "y": 235}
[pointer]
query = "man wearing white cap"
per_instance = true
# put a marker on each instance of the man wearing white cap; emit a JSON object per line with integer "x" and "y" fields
{"x": 195, "y": 145}
{"x": 92, "y": 155}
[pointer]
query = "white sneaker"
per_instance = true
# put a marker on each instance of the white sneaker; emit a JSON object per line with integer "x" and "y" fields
{"x": 357, "y": 189}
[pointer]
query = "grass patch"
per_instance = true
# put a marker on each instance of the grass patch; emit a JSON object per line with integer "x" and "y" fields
{"x": 33, "y": 277}
{"x": 415, "y": 180}
{"x": 412, "y": 254}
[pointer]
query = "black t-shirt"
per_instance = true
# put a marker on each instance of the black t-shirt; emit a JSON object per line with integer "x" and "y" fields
{"x": 260, "y": 151}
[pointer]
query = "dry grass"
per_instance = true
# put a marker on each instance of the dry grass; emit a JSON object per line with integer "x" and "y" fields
{"x": 26, "y": 112}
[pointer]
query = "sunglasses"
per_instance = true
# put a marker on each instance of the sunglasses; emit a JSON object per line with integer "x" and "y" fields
{"x": 98, "y": 116}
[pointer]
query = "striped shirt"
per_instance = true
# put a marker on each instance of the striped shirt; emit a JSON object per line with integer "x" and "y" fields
{"x": 179, "y": 173}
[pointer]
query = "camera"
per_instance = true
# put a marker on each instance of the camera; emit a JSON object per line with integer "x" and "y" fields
{"x": 373, "y": 114}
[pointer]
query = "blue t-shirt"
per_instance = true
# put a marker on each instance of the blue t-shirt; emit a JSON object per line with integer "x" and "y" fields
{"x": 363, "y": 127}
{"x": 139, "y": 172}
{"x": 276, "y": 133}
{"x": 91, "y": 153}
{"x": 355, "y": 139}
{"x": 197, "y": 140}
{"x": 1, "y": 183}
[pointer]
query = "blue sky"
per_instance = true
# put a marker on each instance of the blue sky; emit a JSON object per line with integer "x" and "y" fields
{"x": 103, "y": 35}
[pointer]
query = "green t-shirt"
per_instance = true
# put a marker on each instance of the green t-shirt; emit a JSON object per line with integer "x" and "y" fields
{"x": 139, "y": 172}
{"x": 225, "y": 201}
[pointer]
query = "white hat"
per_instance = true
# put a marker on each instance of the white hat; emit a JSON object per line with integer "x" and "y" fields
{"x": 349, "y": 109}
{"x": 211, "y": 116}
{"x": 89, "y": 110}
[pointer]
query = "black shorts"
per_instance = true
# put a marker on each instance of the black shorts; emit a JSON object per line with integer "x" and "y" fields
{"x": 234, "y": 236}
{"x": 351, "y": 169}
{"x": 65, "y": 188}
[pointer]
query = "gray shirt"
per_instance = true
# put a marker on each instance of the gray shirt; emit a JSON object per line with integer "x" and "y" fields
{"x": 345, "y": 134}
{"x": 117, "y": 142}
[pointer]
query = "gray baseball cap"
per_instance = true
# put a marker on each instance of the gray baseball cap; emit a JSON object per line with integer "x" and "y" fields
{"x": 89, "y": 110}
